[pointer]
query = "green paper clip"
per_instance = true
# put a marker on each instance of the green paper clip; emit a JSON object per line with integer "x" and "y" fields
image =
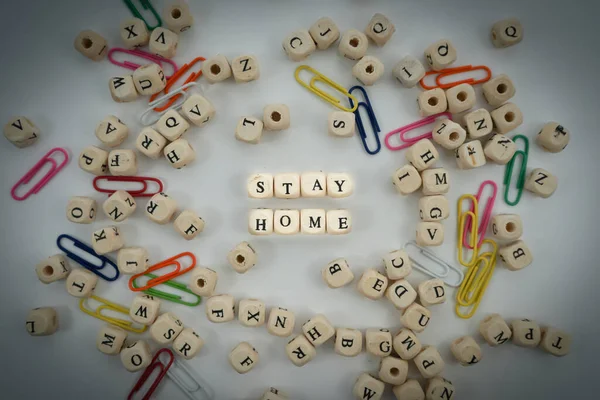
{"x": 147, "y": 6}
{"x": 170, "y": 296}
{"x": 523, "y": 154}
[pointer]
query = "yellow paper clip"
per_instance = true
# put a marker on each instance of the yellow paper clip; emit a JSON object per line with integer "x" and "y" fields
{"x": 319, "y": 77}
{"x": 462, "y": 221}
{"x": 110, "y": 306}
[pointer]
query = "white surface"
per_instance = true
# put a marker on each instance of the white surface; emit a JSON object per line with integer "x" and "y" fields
{"x": 554, "y": 69}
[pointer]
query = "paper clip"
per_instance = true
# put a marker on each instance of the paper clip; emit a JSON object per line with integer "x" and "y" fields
{"x": 444, "y": 266}
{"x": 170, "y": 296}
{"x": 403, "y": 130}
{"x": 319, "y": 77}
{"x": 487, "y": 213}
{"x": 54, "y": 169}
{"x": 142, "y": 54}
{"x": 78, "y": 244}
{"x": 190, "y": 384}
{"x": 135, "y": 193}
{"x": 156, "y": 363}
{"x": 372, "y": 118}
{"x": 461, "y": 217}
{"x": 114, "y": 307}
{"x": 147, "y": 6}
{"x": 456, "y": 70}
{"x": 181, "y": 91}
{"x": 173, "y": 261}
{"x": 523, "y": 154}
{"x": 191, "y": 78}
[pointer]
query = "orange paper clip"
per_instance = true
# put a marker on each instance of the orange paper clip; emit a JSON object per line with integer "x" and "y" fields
{"x": 453, "y": 71}
{"x": 173, "y": 261}
{"x": 191, "y": 78}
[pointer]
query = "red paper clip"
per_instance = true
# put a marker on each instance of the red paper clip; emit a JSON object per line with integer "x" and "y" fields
{"x": 54, "y": 169}
{"x": 135, "y": 193}
{"x": 149, "y": 370}
{"x": 166, "y": 277}
{"x": 142, "y": 54}
{"x": 456, "y": 70}
{"x": 402, "y": 131}
{"x": 487, "y": 214}
{"x": 191, "y": 78}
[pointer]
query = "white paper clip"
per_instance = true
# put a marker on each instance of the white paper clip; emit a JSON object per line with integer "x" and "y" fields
{"x": 442, "y": 271}
{"x": 175, "y": 106}
{"x": 190, "y": 384}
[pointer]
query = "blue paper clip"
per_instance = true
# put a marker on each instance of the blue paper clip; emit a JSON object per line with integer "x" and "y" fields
{"x": 85, "y": 263}
{"x": 147, "y": 6}
{"x": 371, "y": 113}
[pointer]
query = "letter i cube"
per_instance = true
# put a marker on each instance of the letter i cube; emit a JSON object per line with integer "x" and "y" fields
{"x": 52, "y": 269}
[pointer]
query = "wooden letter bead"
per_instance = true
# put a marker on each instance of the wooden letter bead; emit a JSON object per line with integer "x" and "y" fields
{"x": 500, "y": 149}
{"x": 401, "y": 294}
{"x": 324, "y": 33}
{"x": 435, "y": 181}
{"x": 243, "y": 357}
{"x": 242, "y": 257}
{"x": 122, "y": 162}
{"x": 276, "y": 117}
{"x": 122, "y": 89}
{"x": 198, "y": 110}
{"x": 353, "y": 45}
{"x": 134, "y": 33}
{"x": 555, "y": 342}
{"x": 541, "y": 182}
{"x": 367, "y": 387}
{"x": 498, "y": 90}
{"x": 494, "y": 330}
{"x": 478, "y": 123}
{"x": 91, "y": 45}
{"x": 429, "y": 362}
{"x": 81, "y": 210}
{"x": 406, "y": 344}
{"x": 107, "y": 240}
{"x": 432, "y": 102}
{"x": 53, "y": 268}
{"x": 300, "y": 351}
{"x": 553, "y": 137}
{"x": 341, "y": 124}
{"x": 433, "y": 208}
{"x": 144, "y": 309}
{"x": 430, "y": 234}
{"x": 449, "y": 134}
{"x": 179, "y": 153}
{"x": 136, "y": 356}
{"x": 112, "y": 131}
{"x": 393, "y": 370}
{"x": 507, "y": 118}
{"x": 313, "y": 184}
{"x": 150, "y": 143}
{"x": 163, "y": 42}
{"x": 368, "y": 70}
{"x": 410, "y": 390}
{"x": 281, "y": 322}
{"x": 188, "y": 224}
{"x": 526, "y": 333}
{"x": 460, "y": 98}
{"x": 466, "y": 350}
{"x": 220, "y": 308}
{"x": 132, "y": 260}
{"x": 177, "y": 17}
{"x": 516, "y": 255}
{"x": 260, "y": 221}
{"x": 119, "y": 206}
{"x": 409, "y": 71}
{"x": 507, "y": 226}
{"x": 260, "y": 186}
{"x": 337, "y": 273}
{"x": 149, "y": 79}
{"x": 339, "y": 185}
{"x": 397, "y": 265}
{"x": 187, "y": 344}
{"x": 372, "y": 284}
{"x": 318, "y": 330}
{"x": 216, "y": 69}
{"x": 274, "y": 394}
{"x": 42, "y": 321}
{"x": 203, "y": 281}
{"x": 406, "y": 179}
{"x": 94, "y": 160}
{"x": 439, "y": 388}
{"x": 440, "y": 55}
{"x": 160, "y": 208}
{"x": 81, "y": 282}
{"x": 21, "y": 132}
{"x": 287, "y": 186}
{"x": 416, "y": 317}
{"x": 380, "y": 29}
{"x": 252, "y": 313}
{"x": 378, "y": 342}
{"x": 245, "y": 68}
{"x": 299, "y": 45}
{"x": 111, "y": 339}
{"x": 470, "y": 155}
{"x": 507, "y": 32}
{"x": 348, "y": 342}
{"x": 172, "y": 125}
{"x": 166, "y": 328}
{"x": 431, "y": 292}
{"x": 249, "y": 130}
{"x": 422, "y": 154}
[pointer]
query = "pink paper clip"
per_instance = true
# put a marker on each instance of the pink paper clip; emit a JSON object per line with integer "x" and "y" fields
{"x": 142, "y": 54}
{"x": 402, "y": 131}
{"x": 487, "y": 214}
{"x": 55, "y": 169}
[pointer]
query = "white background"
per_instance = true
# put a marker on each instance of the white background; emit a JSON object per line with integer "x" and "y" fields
{"x": 554, "y": 70}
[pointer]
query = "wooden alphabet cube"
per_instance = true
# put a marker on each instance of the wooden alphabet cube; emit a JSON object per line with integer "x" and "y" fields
{"x": 187, "y": 344}
{"x": 300, "y": 351}
{"x": 149, "y": 79}
{"x": 431, "y": 102}
{"x": 409, "y": 71}
{"x": 393, "y": 370}
{"x": 372, "y": 284}
{"x": 507, "y": 226}
{"x": 179, "y": 153}
{"x": 541, "y": 182}
{"x": 324, "y": 33}
{"x": 112, "y": 131}
{"x": 220, "y": 308}
{"x": 422, "y": 154}
{"x": 439, "y": 388}
{"x": 198, "y": 110}
{"x": 313, "y": 184}
{"x": 299, "y": 45}
{"x": 203, "y": 281}
{"x": 507, "y": 118}
{"x": 260, "y": 221}
{"x": 132, "y": 260}
{"x": 111, "y": 339}
{"x": 440, "y": 55}
{"x": 433, "y": 208}
{"x": 500, "y": 149}
{"x": 494, "y": 330}
{"x": 119, "y": 206}
{"x": 380, "y": 29}
{"x": 341, "y": 124}
{"x": 470, "y": 155}
{"x": 134, "y": 33}
{"x": 507, "y": 32}
{"x": 466, "y": 350}
{"x": 245, "y": 68}
{"x": 81, "y": 282}
{"x": 397, "y": 265}
{"x": 555, "y": 342}
{"x": 526, "y": 333}
{"x": 81, "y": 210}
{"x": 353, "y": 44}
{"x": 406, "y": 179}
{"x": 163, "y": 42}
{"x": 21, "y": 132}
{"x": 516, "y": 255}
{"x": 91, "y": 45}
{"x": 260, "y": 186}
{"x": 150, "y": 143}
{"x": 144, "y": 309}
{"x": 449, "y": 134}
{"x": 415, "y": 317}
{"x": 460, "y": 98}
{"x": 107, "y": 240}
{"x": 188, "y": 224}
{"x": 166, "y": 328}
{"x": 431, "y": 292}
{"x": 252, "y": 313}
{"x": 287, "y": 186}
{"x": 435, "y": 181}
{"x": 276, "y": 117}
{"x": 406, "y": 344}
{"x": 368, "y": 70}
{"x": 478, "y": 123}
{"x": 53, "y": 268}
{"x": 337, "y": 273}
{"x": 136, "y": 356}
{"x": 249, "y": 130}
{"x": 242, "y": 257}
{"x": 378, "y": 342}
{"x": 42, "y": 321}
{"x": 94, "y": 160}
{"x": 216, "y": 69}
{"x": 367, "y": 387}
{"x": 274, "y": 394}
{"x": 339, "y": 185}
{"x": 429, "y": 362}
{"x": 410, "y": 390}
{"x": 122, "y": 89}
{"x": 160, "y": 208}
{"x": 122, "y": 162}
{"x": 318, "y": 330}
{"x": 172, "y": 125}
{"x": 553, "y": 137}
{"x": 313, "y": 221}
{"x": 281, "y": 322}
{"x": 401, "y": 294}
{"x": 498, "y": 90}
{"x": 430, "y": 234}
{"x": 178, "y": 17}
{"x": 348, "y": 342}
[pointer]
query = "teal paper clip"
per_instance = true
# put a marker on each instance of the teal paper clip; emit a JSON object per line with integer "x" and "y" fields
{"x": 147, "y": 6}
{"x": 170, "y": 296}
